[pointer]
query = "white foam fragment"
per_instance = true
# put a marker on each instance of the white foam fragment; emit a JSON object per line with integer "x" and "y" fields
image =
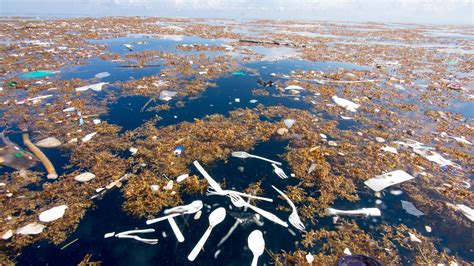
{"x": 414, "y": 238}
{"x": 84, "y": 177}
{"x": 389, "y": 149}
{"x": 50, "y": 142}
{"x": 346, "y": 104}
{"x": 468, "y": 212}
{"x": 381, "y": 182}
{"x": 30, "y": 229}
{"x": 411, "y": 209}
{"x": 111, "y": 234}
{"x": 182, "y": 177}
{"x": 53, "y": 214}
{"x": 88, "y": 137}
{"x": 94, "y": 87}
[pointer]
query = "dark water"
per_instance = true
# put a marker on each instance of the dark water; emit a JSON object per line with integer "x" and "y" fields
{"x": 107, "y": 215}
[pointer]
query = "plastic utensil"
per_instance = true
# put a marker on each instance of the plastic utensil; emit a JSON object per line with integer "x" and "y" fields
{"x": 256, "y": 244}
{"x": 360, "y": 212}
{"x": 279, "y": 172}
{"x": 294, "y": 219}
{"x": 209, "y": 179}
{"x": 193, "y": 207}
{"x": 226, "y": 192}
{"x": 176, "y": 230}
{"x": 239, "y": 202}
{"x": 244, "y": 155}
{"x": 215, "y": 218}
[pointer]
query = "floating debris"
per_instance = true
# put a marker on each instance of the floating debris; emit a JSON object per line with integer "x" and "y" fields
{"x": 30, "y": 229}
{"x": 94, "y": 87}
{"x": 346, "y": 104}
{"x": 88, "y": 137}
{"x": 102, "y": 75}
{"x": 411, "y": 209}
{"x": 50, "y": 142}
{"x": 52, "y": 214}
{"x": 84, "y": 177}
{"x": 389, "y": 179}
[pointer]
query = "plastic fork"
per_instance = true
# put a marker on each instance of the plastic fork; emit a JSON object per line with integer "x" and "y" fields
{"x": 279, "y": 172}
{"x": 294, "y": 219}
{"x": 226, "y": 192}
{"x": 243, "y": 155}
{"x": 239, "y": 202}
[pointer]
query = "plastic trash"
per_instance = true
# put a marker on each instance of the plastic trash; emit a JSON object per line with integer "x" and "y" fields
{"x": 294, "y": 87}
{"x": 6, "y": 235}
{"x": 166, "y": 95}
{"x": 102, "y": 75}
{"x": 359, "y": 260}
{"x": 414, "y": 238}
{"x": 411, "y": 209}
{"x": 14, "y": 157}
{"x": 289, "y": 122}
{"x": 128, "y": 46}
{"x": 256, "y": 244}
{"x": 94, "y": 87}
{"x": 178, "y": 150}
{"x": 30, "y": 229}
{"x": 38, "y": 74}
{"x": 52, "y": 214}
{"x": 389, "y": 149}
{"x": 346, "y": 104}
{"x": 84, "y": 177}
{"x": 50, "y": 142}
{"x": 264, "y": 83}
{"x": 467, "y": 211}
{"x": 389, "y": 179}
{"x": 215, "y": 218}
{"x": 359, "y": 212}
{"x": 88, "y": 137}
{"x": 239, "y": 73}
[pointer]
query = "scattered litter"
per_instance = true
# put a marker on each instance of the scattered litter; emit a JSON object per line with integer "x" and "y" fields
{"x": 215, "y": 218}
{"x": 282, "y": 131}
{"x": 379, "y": 139}
{"x": 346, "y": 117}
{"x": 253, "y": 101}
{"x": 178, "y": 150}
{"x": 38, "y": 74}
{"x": 414, "y": 238}
{"x": 294, "y": 87}
{"x": 154, "y": 188}
{"x": 428, "y": 229}
{"x": 50, "y": 142}
{"x": 108, "y": 235}
{"x": 169, "y": 185}
{"x": 323, "y": 136}
{"x": 389, "y": 149}
{"x": 88, "y": 137}
{"x": 309, "y": 258}
{"x": 94, "y": 87}
{"x": 347, "y": 251}
{"x": 289, "y": 122}
{"x": 346, "y": 104}
{"x": 52, "y": 214}
{"x": 332, "y": 143}
{"x": 128, "y": 234}
{"x": 359, "y": 212}
{"x": 30, "y": 229}
{"x": 133, "y": 150}
{"x": 467, "y": 211}
{"x": 239, "y": 73}
{"x": 166, "y": 95}
{"x": 396, "y": 192}
{"x": 7, "y": 234}
{"x": 243, "y": 155}
{"x": 128, "y": 46}
{"x": 68, "y": 244}
{"x": 411, "y": 209}
{"x": 102, "y": 75}
{"x": 96, "y": 121}
{"x": 389, "y": 179}
{"x": 182, "y": 177}
{"x": 256, "y": 244}
{"x": 84, "y": 177}
{"x": 237, "y": 100}
{"x": 69, "y": 109}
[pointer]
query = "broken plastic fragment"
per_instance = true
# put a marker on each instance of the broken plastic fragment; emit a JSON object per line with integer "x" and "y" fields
{"x": 52, "y": 214}
{"x": 289, "y": 122}
{"x": 389, "y": 179}
{"x": 102, "y": 75}
{"x": 411, "y": 209}
{"x": 182, "y": 177}
{"x": 389, "y": 149}
{"x": 294, "y": 87}
{"x": 38, "y": 74}
{"x": 50, "y": 142}
{"x": 346, "y": 104}
{"x": 94, "y": 87}
{"x": 133, "y": 150}
{"x": 111, "y": 234}
{"x": 6, "y": 235}
{"x": 166, "y": 95}
{"x": 309, "y": 258}
{"x": 414, "y": 238}
{"x": 84, "y": 177}
{"x": 468, "y": 212}
{"x": 359, "y": 212}
{"x": 30, "y": 229}
{"x": 88, "y": 137}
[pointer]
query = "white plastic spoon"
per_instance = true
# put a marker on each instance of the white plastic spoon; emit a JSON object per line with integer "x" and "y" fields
{"x": 256, "y": 245}
{"x": 215, "y": 218}
{"x": 244, "y": 155}
{"x": 193, "y": 207}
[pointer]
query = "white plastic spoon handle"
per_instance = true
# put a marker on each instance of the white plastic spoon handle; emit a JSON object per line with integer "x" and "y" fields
{"x": 209, "y": 179}
{"x": 192, "y": 256}
{"x": 254, "y": 260}
{"x": 264, "y": 159}
{"x": 142, "y": 231}
{"x": 268, "y": 215}
{"x": 152, "y": 221}
{"x": 176, "y": 230}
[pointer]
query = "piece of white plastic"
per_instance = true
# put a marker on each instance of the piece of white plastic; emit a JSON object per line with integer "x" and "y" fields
{"x": 389, "y": 179}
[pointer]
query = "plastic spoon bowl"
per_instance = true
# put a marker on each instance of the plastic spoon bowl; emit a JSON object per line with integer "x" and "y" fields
{"x": 256, "y": 244}
{"x": 215, "y": 218}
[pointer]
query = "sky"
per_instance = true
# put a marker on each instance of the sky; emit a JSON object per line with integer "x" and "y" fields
{"x": 398, "y": 11}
